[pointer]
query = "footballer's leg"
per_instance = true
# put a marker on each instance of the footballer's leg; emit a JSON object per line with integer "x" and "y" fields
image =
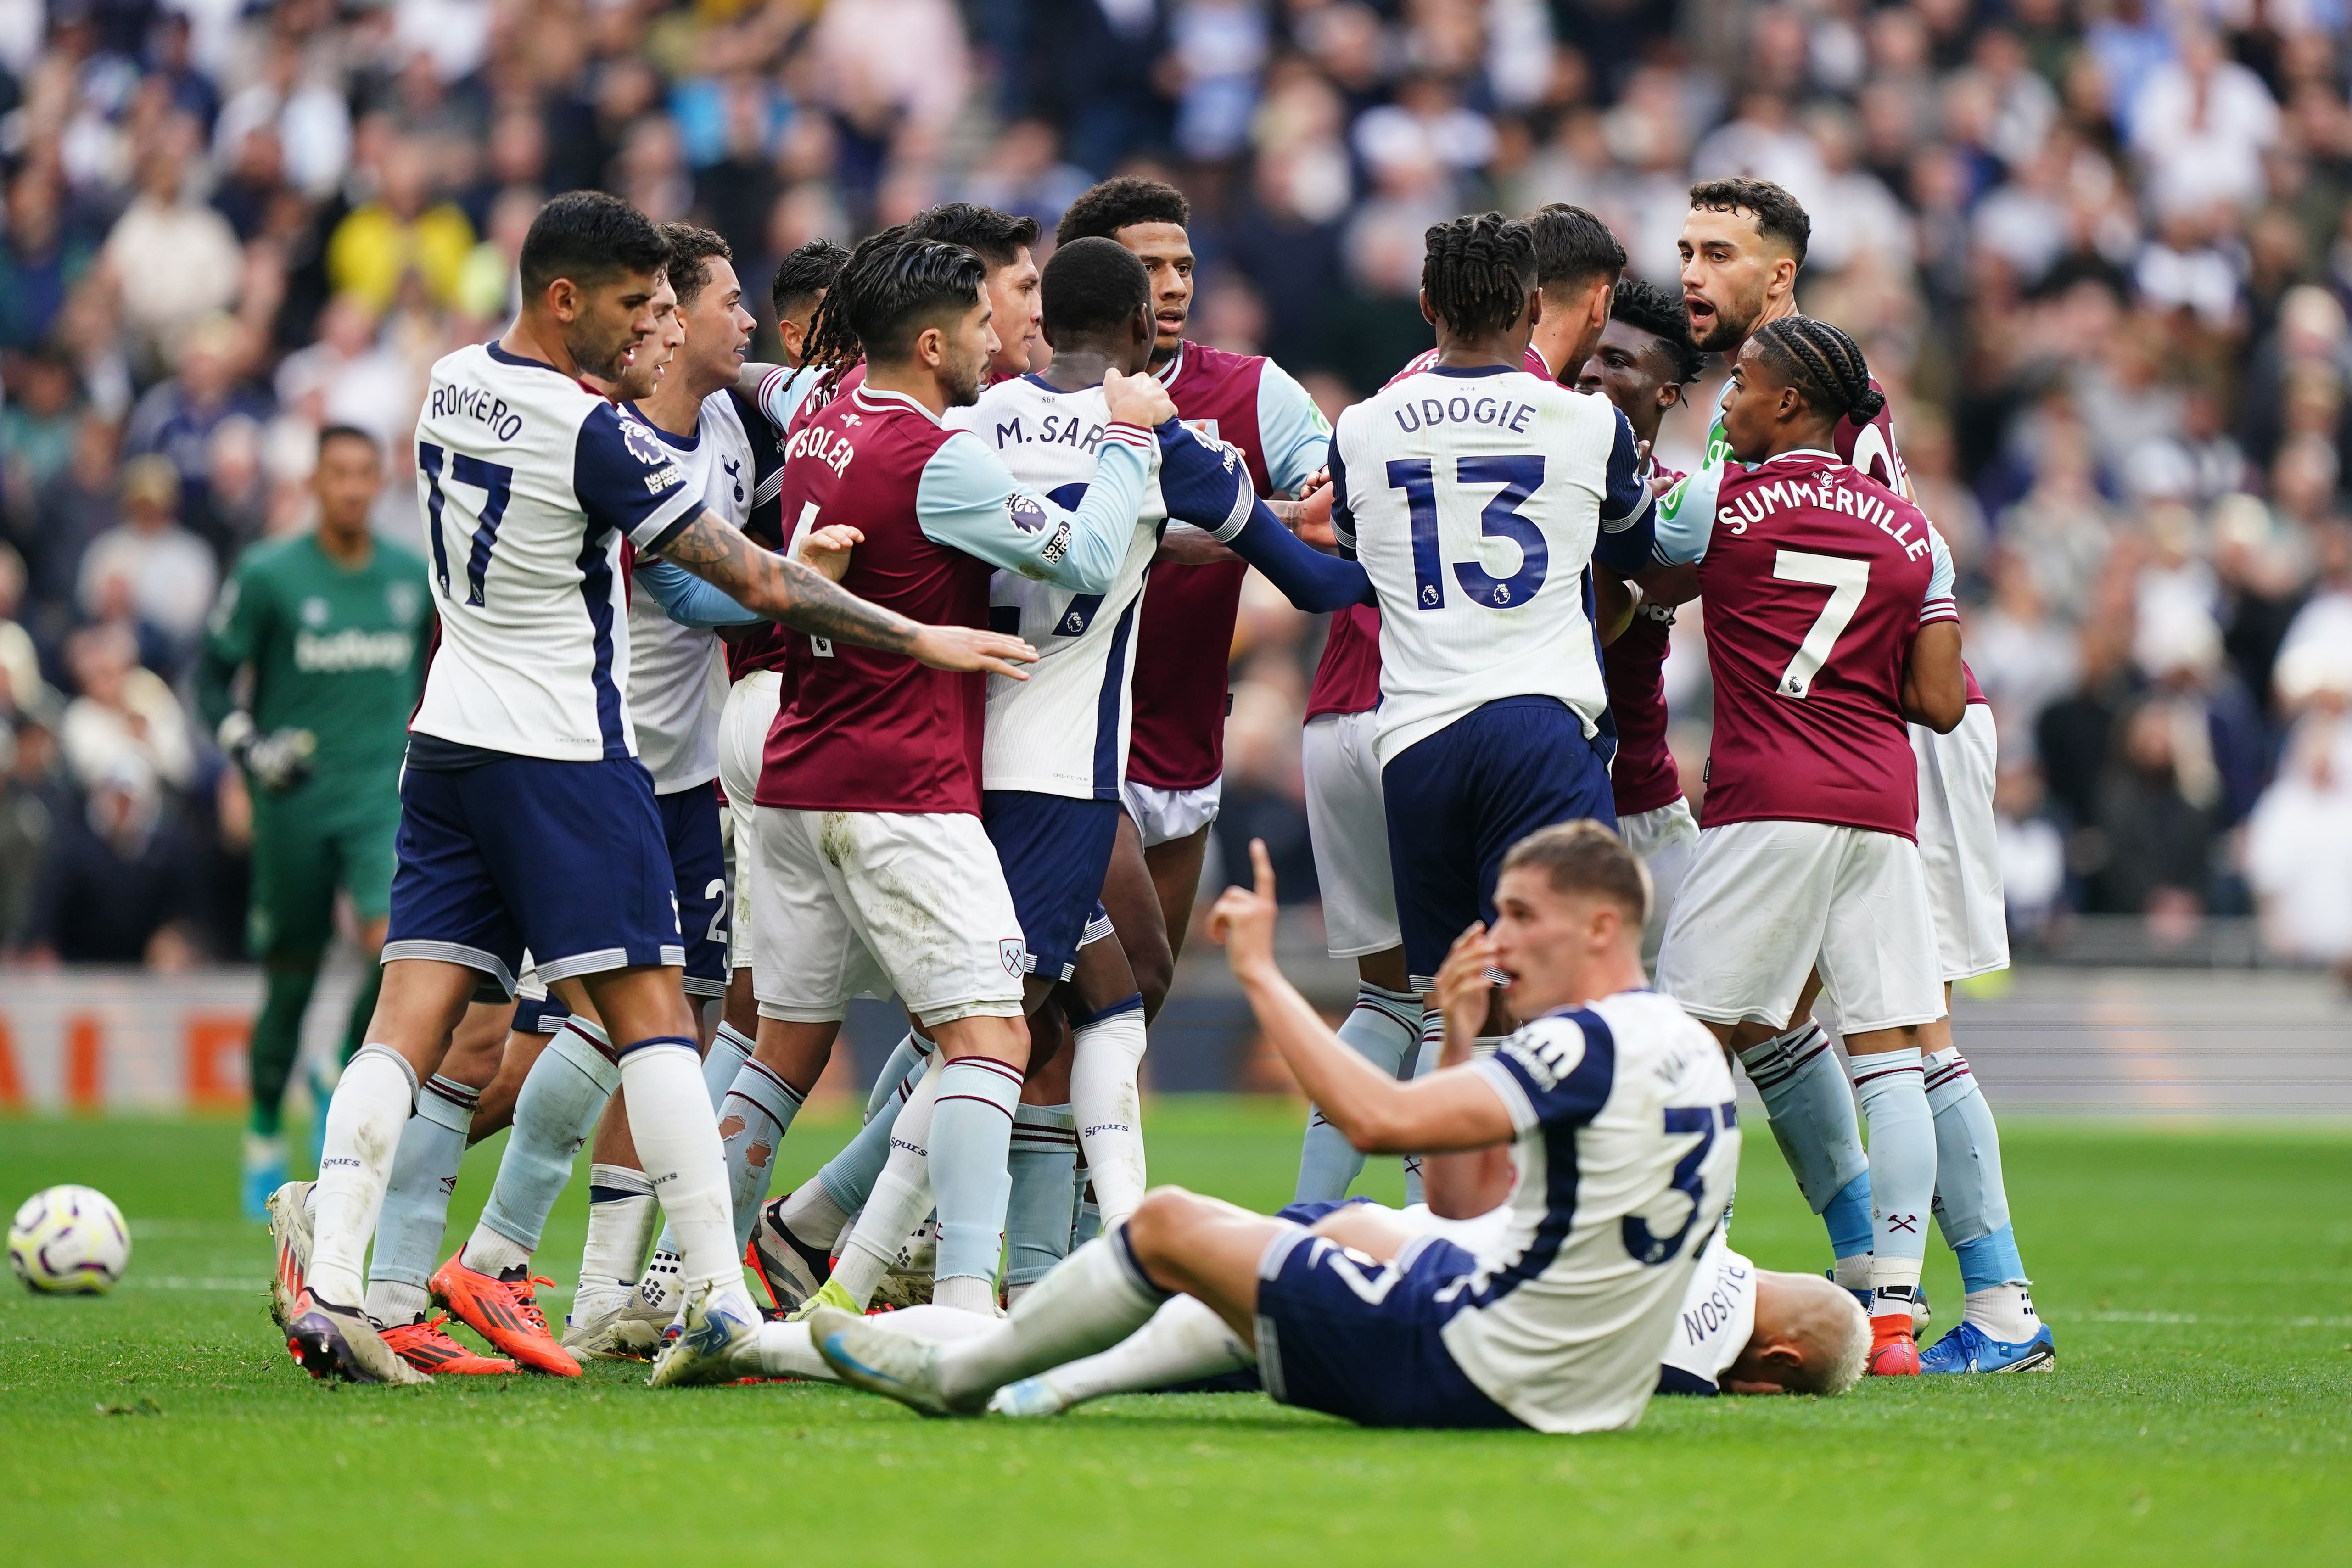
{"x": 1132, "y": 899}
{"x": 1809, "y": 1105}
{"x": 290, "y": 921}
{"x": 1176, "y": 881}
{"x": 1176, "y": 1242}
{"x": 1106, "y": 1096}
{"x": 1044, "y": 1159}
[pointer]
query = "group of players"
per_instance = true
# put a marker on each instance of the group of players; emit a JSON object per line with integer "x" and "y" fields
{"x": 966, "y": 715}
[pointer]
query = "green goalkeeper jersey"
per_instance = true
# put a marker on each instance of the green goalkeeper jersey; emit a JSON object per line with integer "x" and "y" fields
{"x": 338, "y": 651}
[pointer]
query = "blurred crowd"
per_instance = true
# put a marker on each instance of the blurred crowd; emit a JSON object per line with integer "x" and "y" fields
{"x": 2099, "y": 251}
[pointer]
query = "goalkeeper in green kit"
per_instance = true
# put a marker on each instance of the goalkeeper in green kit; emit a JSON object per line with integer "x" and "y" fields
{"x": 312, "y": 667}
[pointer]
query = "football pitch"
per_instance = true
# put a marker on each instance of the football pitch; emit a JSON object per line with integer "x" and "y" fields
{"x": 2199, "y": 1283}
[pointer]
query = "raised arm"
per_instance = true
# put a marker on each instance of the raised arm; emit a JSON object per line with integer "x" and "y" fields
{"x": 806, "y": 600}
{"x": 1208, "y": 487}
{"x": 1451, "y": 1109}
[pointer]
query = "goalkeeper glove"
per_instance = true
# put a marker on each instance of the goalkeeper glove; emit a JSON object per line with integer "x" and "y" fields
{"x": 278, "y": 761}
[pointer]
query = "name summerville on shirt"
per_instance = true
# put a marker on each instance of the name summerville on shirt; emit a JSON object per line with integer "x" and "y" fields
{"x": 1757, "y": 502}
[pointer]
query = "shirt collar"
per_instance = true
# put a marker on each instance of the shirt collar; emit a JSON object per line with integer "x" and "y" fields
{"x": 1174, "y": 367}
{"x": 875, "y": 402}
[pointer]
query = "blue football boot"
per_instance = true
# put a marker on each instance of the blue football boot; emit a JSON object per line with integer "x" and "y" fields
{"x": 262, "y": 1172}
{"x": 1969, "y": 1349}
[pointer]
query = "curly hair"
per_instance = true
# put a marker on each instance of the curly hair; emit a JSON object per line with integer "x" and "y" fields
{"x": 1643, "y": 305}
{"x": 807, "y": 272}
{"x": 1477, "y": 271}
{"x": 832, "y": 347}
{"x": 1778, "y": 216}
{"x": 1822, "y": 363}
{"x": 1116, "y": 204}
{"x": 692, "y": 248}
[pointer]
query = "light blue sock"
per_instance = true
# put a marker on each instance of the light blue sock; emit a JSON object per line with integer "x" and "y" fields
{"x": 1848, "y": 1218}
{"x": 1901, "y": 1166}
{"x": 907, "y": 1059}
{"x": 756, "y": 1114}
{"x": 730, "y": 1047}
{"x": 1382, "y": 1028}
{"x": 555, "y": 1114}
{"x": 971, "y": 1135}
{"x": 1972, "y": 1201}
{"x": 416, "y": 1203}
{"x": 849, "y": 1176}
{"x": 1044, "y": 1209}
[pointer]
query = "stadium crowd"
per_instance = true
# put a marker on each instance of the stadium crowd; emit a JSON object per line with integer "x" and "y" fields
{"x": 2099, "y": 252}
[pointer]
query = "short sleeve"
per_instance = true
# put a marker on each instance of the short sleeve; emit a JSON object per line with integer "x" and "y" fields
{"x": 1685, "y": 518}
{"x": 782, "y": 391}
{"x": 1556, "y": 1072}
{"x": 1292, "y": 431}
{"x": 1938, "y": 605}
{"x": 625, "y": 478}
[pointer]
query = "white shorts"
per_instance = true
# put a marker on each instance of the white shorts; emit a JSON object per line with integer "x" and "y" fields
{"x": 1164, "y": 815}
{"x": 1764, "y": 904}
{"x": 743, "y": 726}
{"x": 1349, "y": 827}
{"x": 1959, "y": 846}
{"x": 863, "y": 903}
{"x": 1665, "y": 839}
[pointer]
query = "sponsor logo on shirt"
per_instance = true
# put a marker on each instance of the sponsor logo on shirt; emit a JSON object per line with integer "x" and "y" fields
{"x": 664, "y": 477}
{"x": 1056, "y": 547}
{"x": 352, "y": 649}
{"x": 1548, "y": 1055}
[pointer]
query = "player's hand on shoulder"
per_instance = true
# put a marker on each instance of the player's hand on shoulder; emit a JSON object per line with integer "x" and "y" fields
{"x": 829, "y": 549}
{"x": 1243, "y": 919}
{"x": 1137, "y": 399}
{"x": 971, "y": 648}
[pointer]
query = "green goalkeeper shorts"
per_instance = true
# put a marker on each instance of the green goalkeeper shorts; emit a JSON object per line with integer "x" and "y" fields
{"x": 325, "y": 833}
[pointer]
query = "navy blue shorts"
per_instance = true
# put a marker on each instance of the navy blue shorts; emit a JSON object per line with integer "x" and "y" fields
{"x": 565, "y": 860}
{"x": 1340, "y": 1333}
{"x": 541, "y": 1016}
{"x": 691, "y": 820}
{"x": 1457, "y": 801}
{"x": 1055, "y": 852}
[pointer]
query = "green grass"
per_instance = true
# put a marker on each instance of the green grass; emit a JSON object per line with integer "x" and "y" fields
{"x": 2199, "y": 1283}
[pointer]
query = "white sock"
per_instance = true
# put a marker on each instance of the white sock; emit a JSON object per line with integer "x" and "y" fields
{"x": 619, "y": 1223}
{"x": 2004, "y": 1311}
{"x": 1184, "y": 1339}
{"x": 1108, "y": 1106}
{"x": 783, "y": 1350}
{"x": 1090, "y": 1303}
{"x": 967, "y": 1293}
{"x": 809, "y": 1214}
{"x": 390, "y": 1302}
{"x": 374, "y": 1101}
{"x": 679, "y": 1144}
{"x": 902, "y": 1195}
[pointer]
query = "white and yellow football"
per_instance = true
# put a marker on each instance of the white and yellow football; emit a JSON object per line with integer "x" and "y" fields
{"x": 68, "y": 1241}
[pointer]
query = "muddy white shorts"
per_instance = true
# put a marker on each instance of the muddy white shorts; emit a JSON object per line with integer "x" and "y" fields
{"x": 1349, "y": 827}
{"x": 863, "y": 903}
{"x": 1765, "y": 902}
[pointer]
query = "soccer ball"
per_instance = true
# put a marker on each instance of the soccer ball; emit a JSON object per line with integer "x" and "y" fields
{"x": 68, "y": 1241}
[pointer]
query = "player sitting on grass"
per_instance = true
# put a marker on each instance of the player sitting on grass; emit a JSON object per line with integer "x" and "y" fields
{"x": 1617, "y": 1111}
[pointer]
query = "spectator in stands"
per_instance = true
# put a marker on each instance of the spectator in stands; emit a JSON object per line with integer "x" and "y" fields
{"x": 120, "y": 884}
{"x": 174, "y": 259}
{"x": 148, "y": 568}
{"x": 402, "y": 234}
{"x": 124, "y": 716}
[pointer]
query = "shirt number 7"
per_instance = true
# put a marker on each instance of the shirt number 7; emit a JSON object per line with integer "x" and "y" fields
{"x": 1847, "y": 580}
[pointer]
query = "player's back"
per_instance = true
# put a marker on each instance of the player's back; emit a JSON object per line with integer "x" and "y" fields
{"x": 1473, "y": 499}
{"x": 1065, "y": 729}
{"x": 1628, "y": 1145}
{"x": 1816, "y": 582}
{"x": 527, "y": 479}
{"x": 864, "y": 729}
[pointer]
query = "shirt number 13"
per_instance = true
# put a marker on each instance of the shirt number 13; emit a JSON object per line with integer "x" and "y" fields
{"x": 1520, "y": 477}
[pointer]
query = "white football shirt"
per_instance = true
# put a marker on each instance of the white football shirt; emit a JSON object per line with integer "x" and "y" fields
{"x": 1064, "y": 730}
{"x": 1628, "y": 1142}
{"x": 1716, "y": 1319}
{"x": 527, "y": 482}
{"x": 1475, "y": 498}
{"x": 677, "y": 675}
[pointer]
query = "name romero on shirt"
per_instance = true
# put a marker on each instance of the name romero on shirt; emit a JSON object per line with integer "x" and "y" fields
{"x": 472, "y": 402}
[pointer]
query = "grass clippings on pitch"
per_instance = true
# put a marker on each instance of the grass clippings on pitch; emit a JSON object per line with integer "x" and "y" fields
{"x": 2200, "y": 1284}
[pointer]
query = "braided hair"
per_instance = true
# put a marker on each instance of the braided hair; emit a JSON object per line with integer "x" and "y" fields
{"x": 1477, "y": 272}
{"x": 1822, "y": 363}
{"x": 832, "y": 348}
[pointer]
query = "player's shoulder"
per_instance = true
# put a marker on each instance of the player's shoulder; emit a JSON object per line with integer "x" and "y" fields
{"x": 1646, "y": 1029}
{"x": 1211, "y": 364}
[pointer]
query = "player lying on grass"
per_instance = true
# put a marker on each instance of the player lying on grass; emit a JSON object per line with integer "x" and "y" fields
{"x": 1740, "y": 1329}
{"x": 1618, "y": 1112}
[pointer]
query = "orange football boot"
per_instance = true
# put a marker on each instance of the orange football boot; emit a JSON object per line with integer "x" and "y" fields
{"x": 1893, "y": 1351}
{"x": 505, "y": 1311}
{"x": 424, "y": 1346}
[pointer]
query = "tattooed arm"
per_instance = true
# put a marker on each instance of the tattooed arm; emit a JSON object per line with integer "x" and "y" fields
{"x": 807, "y": 600}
